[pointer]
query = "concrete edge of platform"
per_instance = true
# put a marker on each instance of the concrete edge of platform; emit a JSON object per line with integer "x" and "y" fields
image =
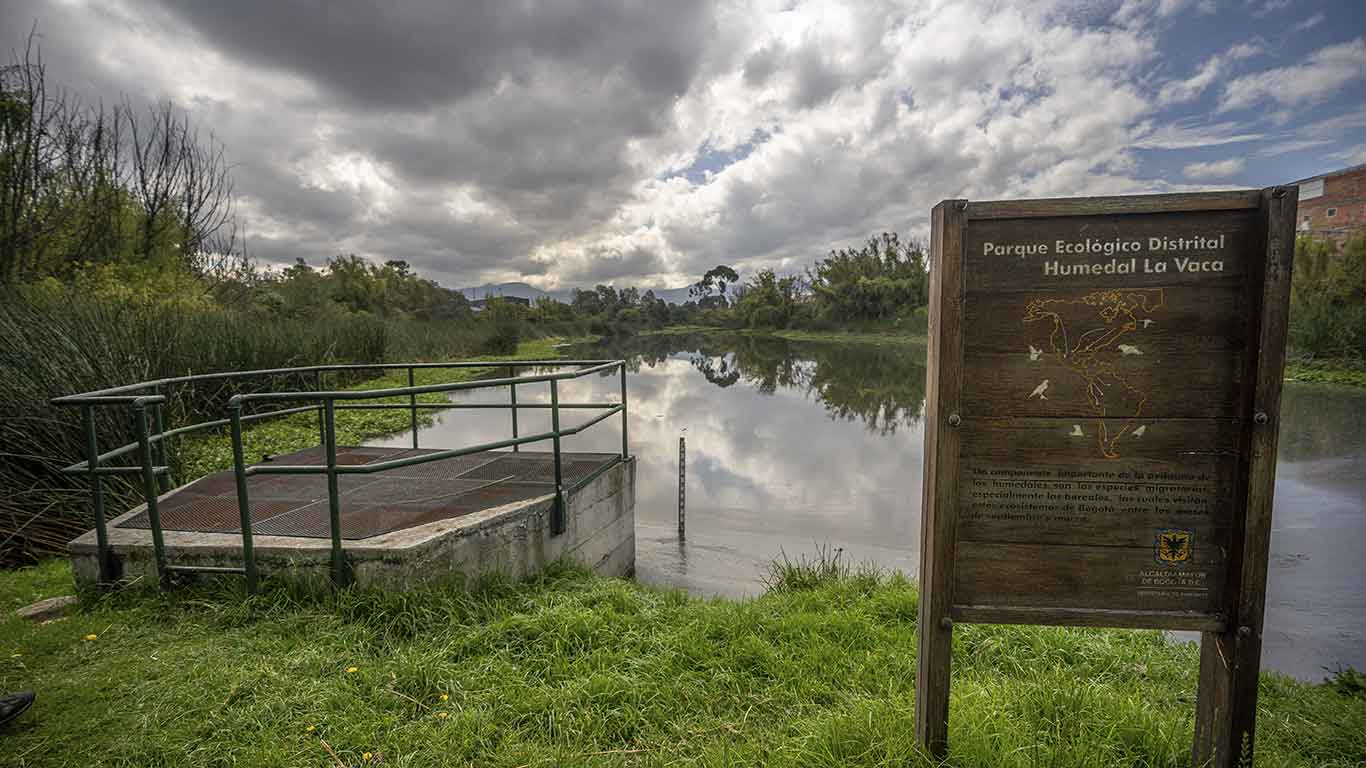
{"x": 513, "y": 540}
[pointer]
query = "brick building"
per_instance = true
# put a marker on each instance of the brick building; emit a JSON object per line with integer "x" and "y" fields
{"x": 1333, "y": 205}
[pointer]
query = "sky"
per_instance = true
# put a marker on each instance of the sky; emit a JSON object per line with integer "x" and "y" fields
{"x": 641, "y": 143}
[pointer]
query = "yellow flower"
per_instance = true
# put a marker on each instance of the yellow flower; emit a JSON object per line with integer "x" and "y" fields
{"x": 311, "y": 728}
{"x": 444, "y": 697}
{"x": 352, "y": 670}
{"x": 366, "y": 756}
{"x": 92, "y": 637}
{"x": 441, "y": 715}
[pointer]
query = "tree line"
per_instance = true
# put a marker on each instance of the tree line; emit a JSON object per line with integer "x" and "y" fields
{"x": 1328, "y": 298}
{"x": 90, "y": 186}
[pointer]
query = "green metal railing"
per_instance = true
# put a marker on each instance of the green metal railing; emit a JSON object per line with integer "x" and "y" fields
{"x": 154, "y": 467}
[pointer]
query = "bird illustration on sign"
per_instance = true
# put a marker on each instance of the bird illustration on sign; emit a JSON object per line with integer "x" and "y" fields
{"x": 1084, "y": 334}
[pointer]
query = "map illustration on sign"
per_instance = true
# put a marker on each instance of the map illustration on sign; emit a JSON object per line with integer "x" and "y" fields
{"x": 1090, "y": 334}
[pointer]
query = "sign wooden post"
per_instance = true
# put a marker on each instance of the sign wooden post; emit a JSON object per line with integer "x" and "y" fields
{"x": 1103, "y": 400}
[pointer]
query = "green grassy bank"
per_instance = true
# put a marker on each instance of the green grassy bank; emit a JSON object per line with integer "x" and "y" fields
{"x": 570, "y": 669}
{"x": 859, "y": 337}
{"x": 856, "y": 337}
{"x": 1350, "y": 373}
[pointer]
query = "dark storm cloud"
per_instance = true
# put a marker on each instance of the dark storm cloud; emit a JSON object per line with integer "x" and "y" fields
{"x": 817, "y": 79}
{"x": 761, "y": 65}
{"x": 415, "y": 55}
{"x": 554, "y": 153}
{"x": 607, "y": 264}
{"x": 528, "y": 107}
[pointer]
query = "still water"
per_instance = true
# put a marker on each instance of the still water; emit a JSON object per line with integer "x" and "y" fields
{"x": 796, "y": 445}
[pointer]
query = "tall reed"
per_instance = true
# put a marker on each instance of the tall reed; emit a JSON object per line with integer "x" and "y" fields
{"x": 58, "y": 342}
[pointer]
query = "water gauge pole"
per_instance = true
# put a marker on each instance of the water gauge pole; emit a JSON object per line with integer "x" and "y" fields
{"x": 682, "y": 486}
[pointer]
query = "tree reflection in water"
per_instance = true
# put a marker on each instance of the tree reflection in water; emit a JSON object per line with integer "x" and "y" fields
{"x": 882, "y": 385}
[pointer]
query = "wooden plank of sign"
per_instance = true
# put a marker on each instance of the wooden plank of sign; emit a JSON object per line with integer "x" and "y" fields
{"x": 1036, "y": 481}
{"x": 997, "y": 321}
{"x": 1193, "y": 385}
{"x": 1230, "y": 661}
{"x": 1069, "y": 206}
{"x": 1022, "y": 250}
{"x": 940, "y": 492}
{"x": 1065, "y": 576}
{"x": 1089, "y": 617}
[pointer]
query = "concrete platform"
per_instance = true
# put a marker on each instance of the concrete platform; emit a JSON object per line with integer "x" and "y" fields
{"x": 449, "y": 519}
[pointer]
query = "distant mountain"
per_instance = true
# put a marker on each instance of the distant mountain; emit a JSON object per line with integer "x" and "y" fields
{"x": 673, "y": 295}
{"x": 532, "y": 293}
{"x": 519, "y": 290}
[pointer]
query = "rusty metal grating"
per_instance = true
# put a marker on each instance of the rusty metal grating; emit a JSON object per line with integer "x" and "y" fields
{"x": 371, "y": 504}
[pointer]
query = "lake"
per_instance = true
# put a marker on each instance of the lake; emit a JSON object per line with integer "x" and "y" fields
{"x": 795, "y": 446}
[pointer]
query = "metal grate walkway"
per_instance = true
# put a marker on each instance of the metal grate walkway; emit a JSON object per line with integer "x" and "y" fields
{"x": 390, "y": 500}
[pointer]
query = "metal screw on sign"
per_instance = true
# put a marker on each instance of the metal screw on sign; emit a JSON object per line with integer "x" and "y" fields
{"x": 1261, "y": 418}
{"x": 955, "y": 419}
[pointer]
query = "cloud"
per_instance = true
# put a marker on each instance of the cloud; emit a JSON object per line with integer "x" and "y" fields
{"x": 1268, "y": 6}
{"x": 1325, "y": 72}
{"x": 641, "y": 143}
{"x": 1218, "y": 169}
{"x": 1310, "y": 23}
{"x": 1191, "y": 134}
{"x": 1355, "y": 155}
{"x": 1177, "y": 91}
{"x": 1315, "y": 134}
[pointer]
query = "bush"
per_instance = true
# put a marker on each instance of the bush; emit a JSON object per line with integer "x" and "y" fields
{"x": 1323, "y": 330}
{"x": 503, "y": 341}
{"x": 766, "y": 317}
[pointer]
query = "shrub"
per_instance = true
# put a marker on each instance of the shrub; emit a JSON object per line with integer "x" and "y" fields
{"x": 766, "y": 317}
{"x": 503, "y": 340}
{"x": 1328, "y": 330}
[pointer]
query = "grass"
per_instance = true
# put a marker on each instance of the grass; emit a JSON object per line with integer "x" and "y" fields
{"x": 683, "y": 330}
{"x": 572, "y": 669}
{"x": 1346, "y": 372}
{"x": 858, "y": 337}
{"x": 861, "y": 337}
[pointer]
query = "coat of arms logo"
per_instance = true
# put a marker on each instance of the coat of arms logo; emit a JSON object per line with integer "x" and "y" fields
{"x": 1172, "y": 546}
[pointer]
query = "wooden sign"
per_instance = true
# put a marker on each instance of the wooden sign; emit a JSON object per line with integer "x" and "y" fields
{"x": 1104, "y": 385}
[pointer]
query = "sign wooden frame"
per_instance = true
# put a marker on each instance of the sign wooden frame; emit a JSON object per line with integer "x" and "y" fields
{"x": 1236, "y": 391}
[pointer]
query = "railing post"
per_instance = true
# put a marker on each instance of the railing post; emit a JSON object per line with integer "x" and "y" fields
{"x": 333, "y": 498}
{"x": 239, "y": 466}
{"x": 322, "y": 424}
{"x": 557, "y": 521}
{"x": 412, "y": 405}
{"x": 159, "y": 422}
{"x": 512, "y": 374}
{"x": 149, "y": 489}
{"x": 624, "y": 453}
{"x": 92, "y": 452}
